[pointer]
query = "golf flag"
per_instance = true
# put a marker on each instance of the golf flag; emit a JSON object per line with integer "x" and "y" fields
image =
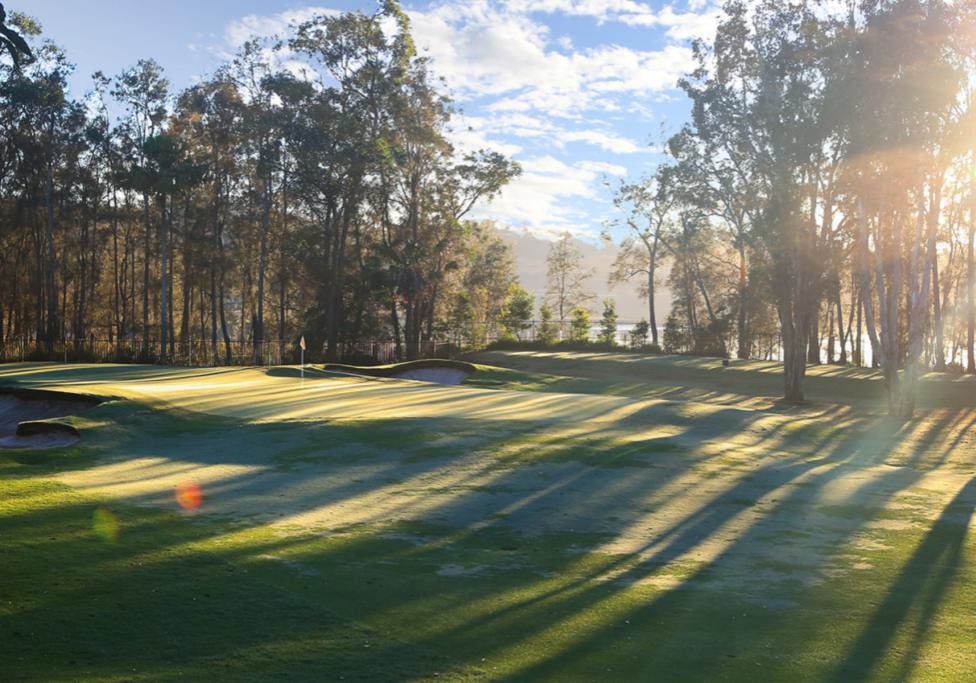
{"x": 302, "y": 342}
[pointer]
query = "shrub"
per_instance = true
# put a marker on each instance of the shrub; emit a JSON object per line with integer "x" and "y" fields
{"x": 517, "y": 311}
{"x": 638, "y": 336}
{"x": 676, "y": 336}
{"x": 579, "y": 325}
{"x": 608, "y": 323}
{"x": 547, "y": 329}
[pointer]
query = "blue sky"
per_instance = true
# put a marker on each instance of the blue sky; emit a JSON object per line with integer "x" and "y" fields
{"x": 577, "y": 91}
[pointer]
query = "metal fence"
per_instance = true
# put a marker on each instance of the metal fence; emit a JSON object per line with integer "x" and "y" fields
{"x": 203, "y": 353}
{"x": 386, "y": 352}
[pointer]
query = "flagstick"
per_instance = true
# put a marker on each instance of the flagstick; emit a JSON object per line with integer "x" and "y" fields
{"x": 303, "y": 368}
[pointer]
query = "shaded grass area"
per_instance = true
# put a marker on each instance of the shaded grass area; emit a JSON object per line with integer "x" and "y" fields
{"x": 533, "y": 609}
{"x": 702, "y": 379}
{"x": 161, "y": 603}
{"x": 795, "y": 594}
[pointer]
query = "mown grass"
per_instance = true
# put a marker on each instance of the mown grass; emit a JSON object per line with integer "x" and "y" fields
{"x": 693, "y": 378}
{"x": 161, "y": 602}
{"x": 532, "y": 609}
{"x": 797, "y": 596}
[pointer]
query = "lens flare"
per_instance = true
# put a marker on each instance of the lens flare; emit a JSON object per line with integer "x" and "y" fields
{"x": 106, "y": 524}
{"x": 188, "y": 495}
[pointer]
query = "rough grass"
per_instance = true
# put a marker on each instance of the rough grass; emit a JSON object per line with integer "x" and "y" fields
{"x": 662, "y": 541}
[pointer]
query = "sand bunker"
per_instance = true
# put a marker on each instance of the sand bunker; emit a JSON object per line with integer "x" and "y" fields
{"x": 22, "y": 412}
{"x": 435, "y": 370}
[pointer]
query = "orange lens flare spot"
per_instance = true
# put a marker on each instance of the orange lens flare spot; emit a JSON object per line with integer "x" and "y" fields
{"x": 188, "y": 495}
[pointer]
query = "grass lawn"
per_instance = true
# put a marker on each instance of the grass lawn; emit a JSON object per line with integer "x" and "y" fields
{"x": 566, "y": 517}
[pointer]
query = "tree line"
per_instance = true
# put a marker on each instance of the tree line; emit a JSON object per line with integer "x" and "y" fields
{"x": 822, "y": 190}
{"x": 306, "y": 187}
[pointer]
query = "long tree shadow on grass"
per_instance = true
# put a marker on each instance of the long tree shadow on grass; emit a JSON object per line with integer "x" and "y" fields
{"x": 710, "y": 519}
{"x": 705, "y": 656}
{"x": 594, "y": 594}
{"x": 921, "y": 587}
{"x": 587, "y": 592}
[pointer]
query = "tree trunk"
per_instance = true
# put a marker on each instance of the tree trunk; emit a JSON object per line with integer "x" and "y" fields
{"x": 115, "y": 265}
{"x": 813, "y": 346}
{"x": 745, "y": 343}
{"x": 213, "y": 311}
{"x": 940, "y": 362}
{"x": 652, "y": 318}
{"x": 281, "y": 310}
{"x": 922, "y": 268}
{"x": 262, "y": 260}
{"x": 830, "y": 336}
{"x": 795, "y": 340}
{"x": 223, "y": 325}
{"x": 164, "y": 283}
{"x": 145, "y": 276}
{"x": 52, "y": 326}
{"x": 395, "y": 322}
{"x": 841, "y": 332}
{"x": 220, "y": 299}
{"x": 186, "y": 322}
{"x": 408, "y": 325}
{"x": 170, "y": 283}
{"x": 338, "y": 261}
{"x": 970, "y": 282}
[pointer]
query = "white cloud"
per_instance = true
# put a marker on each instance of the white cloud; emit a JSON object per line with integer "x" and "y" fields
{"x": 469, "y": 135}
{"x": 257, "y": 25}
{"x": 537, "y": 129}
{"x": 492, "y": 50}
{"x": 691, "y": 24}
{"x": 552, "y": 196}
{"x": 602, "y": 167}
{"x": 607, "y": 141}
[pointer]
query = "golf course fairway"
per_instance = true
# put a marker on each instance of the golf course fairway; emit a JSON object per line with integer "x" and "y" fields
{"x": 556, "y": 518}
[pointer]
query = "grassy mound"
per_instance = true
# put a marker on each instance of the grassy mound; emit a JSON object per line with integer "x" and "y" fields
{"x": 398, "y": 369}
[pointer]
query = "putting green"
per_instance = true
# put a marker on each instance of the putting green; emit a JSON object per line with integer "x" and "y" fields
{"x": 280, "y": 394}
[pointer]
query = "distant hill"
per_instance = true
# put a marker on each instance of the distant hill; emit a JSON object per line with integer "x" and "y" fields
{"x": 531, "y": 252}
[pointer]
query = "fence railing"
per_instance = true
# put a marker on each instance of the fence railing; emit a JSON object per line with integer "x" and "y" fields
{"x": 203, "y": 353}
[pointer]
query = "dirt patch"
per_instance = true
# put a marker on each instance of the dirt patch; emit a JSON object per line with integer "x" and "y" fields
{"x": 23, "y": 415}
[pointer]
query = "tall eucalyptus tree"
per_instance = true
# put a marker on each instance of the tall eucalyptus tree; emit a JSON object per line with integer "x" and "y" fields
{"x": 144, "y": 93}
{"x": 762, "y": 98}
